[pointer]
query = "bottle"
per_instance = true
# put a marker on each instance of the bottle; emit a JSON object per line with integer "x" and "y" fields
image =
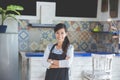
{"x": 96, "y": 29}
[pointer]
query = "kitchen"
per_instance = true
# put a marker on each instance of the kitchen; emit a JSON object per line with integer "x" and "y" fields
{"x": 80, "y": 34}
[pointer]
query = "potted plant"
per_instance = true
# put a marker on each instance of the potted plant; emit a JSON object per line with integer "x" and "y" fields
{"x": 10, "y": 11}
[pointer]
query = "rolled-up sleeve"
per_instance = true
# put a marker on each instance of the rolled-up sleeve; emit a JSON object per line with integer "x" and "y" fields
{"x": 70, "y": 54}
{"x": 44, "y": 61}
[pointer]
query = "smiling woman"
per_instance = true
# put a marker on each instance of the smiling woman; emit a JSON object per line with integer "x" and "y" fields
{"x": 58, "y": 56}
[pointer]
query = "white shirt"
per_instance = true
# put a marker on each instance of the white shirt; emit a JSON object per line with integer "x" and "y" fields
{"x": 62, "y": 63}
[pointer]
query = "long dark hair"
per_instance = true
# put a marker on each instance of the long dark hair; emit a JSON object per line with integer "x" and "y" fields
{"x": 66, "y": 41}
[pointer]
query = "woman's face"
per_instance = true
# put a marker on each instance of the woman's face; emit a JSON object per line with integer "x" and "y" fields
{"x": 60, "y": 35}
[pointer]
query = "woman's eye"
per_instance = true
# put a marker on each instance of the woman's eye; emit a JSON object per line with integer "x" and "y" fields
{"x": 62, "y": 33}
{"x": 57, "y": 33}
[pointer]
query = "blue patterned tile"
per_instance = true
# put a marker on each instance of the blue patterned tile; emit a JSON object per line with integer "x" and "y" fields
{"x": 85, "y": 25}
{"x": 67, "y": 24}
{"x": 23, "y": 35}
{"x": 34, "y": 46}
{"x": 83, "y": 46}
{"x": 23, "y": 46}
{"x": 75, "y": 44}
{"x": 93, "y": 47}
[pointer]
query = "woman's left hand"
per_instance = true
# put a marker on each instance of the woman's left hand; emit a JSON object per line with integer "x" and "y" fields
{"x": 56, "y": 62}
{"x": 67, "y": 58}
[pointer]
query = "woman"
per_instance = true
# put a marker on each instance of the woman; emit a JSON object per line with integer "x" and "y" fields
{"x": 58, "y": 57}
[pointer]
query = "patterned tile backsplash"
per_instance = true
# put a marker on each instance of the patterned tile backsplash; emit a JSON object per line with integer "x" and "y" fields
{"x": 79, "y": 34}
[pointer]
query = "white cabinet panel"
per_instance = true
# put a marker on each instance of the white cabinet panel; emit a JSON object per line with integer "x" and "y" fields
{"x": 37, "y": 71}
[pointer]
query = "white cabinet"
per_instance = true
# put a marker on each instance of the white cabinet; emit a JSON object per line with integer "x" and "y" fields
{"x": 37, "y": 71}
{"x": 116, "y": 69}
{"x": 79, "y": 64}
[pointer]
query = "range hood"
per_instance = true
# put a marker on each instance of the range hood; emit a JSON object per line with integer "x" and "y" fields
{"x": 46, "y": 13}
{"x": 38, "y": 25}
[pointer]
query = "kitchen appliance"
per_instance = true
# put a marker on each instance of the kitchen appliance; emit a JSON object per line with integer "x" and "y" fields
{"x": 9, "y": 56}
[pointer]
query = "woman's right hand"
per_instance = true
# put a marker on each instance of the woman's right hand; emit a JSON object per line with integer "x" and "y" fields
{"x": 67, "y": 58}
{"x": 54, "y": 66}
{"x": 49, "y": 60}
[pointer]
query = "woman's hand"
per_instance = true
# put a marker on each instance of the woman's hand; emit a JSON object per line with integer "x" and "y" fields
{"x": 55, "y": 63}
{"x": 49, "y": 60}
{"x": 54, "y": 66}
{"x": 67, "y": 58}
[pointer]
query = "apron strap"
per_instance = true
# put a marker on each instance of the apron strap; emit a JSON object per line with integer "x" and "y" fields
{"x": 51, "y": 50}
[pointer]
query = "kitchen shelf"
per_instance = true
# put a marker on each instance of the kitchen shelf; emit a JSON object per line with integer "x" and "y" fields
{"x": 37, "y": 25}
{"x": 101, "y": 32}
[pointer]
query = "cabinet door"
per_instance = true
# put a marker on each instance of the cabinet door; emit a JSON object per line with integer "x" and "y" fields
{"x": 79, "y": 64}
{"x": 9, "y": 57}
{"x": 36, "y": 71}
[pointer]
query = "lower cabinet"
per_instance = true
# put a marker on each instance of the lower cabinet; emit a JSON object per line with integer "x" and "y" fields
{"x": 116, "y": 69}
{"x": 37, "y": 71}
{"x": 79, "y": 64}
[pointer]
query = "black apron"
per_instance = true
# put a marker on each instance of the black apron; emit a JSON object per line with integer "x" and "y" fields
{"x": 57, "y": 73}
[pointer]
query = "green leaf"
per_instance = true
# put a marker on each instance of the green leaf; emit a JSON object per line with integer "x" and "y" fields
{"x": 10, "y": 11}
{"x": 14, "y": 7}
{"x": 0, "y": 9}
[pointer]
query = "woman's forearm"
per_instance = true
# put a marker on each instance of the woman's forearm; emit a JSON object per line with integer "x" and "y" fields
{"x": 56, "y": 62}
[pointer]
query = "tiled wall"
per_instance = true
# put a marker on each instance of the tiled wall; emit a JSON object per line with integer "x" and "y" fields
{"x": 80, "y": 35}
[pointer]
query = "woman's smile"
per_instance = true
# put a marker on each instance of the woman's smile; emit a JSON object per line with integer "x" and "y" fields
{"x": 60, "y": 35}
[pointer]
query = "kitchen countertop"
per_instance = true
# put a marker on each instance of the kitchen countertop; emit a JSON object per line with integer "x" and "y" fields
{"x": 76, "y": 54}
